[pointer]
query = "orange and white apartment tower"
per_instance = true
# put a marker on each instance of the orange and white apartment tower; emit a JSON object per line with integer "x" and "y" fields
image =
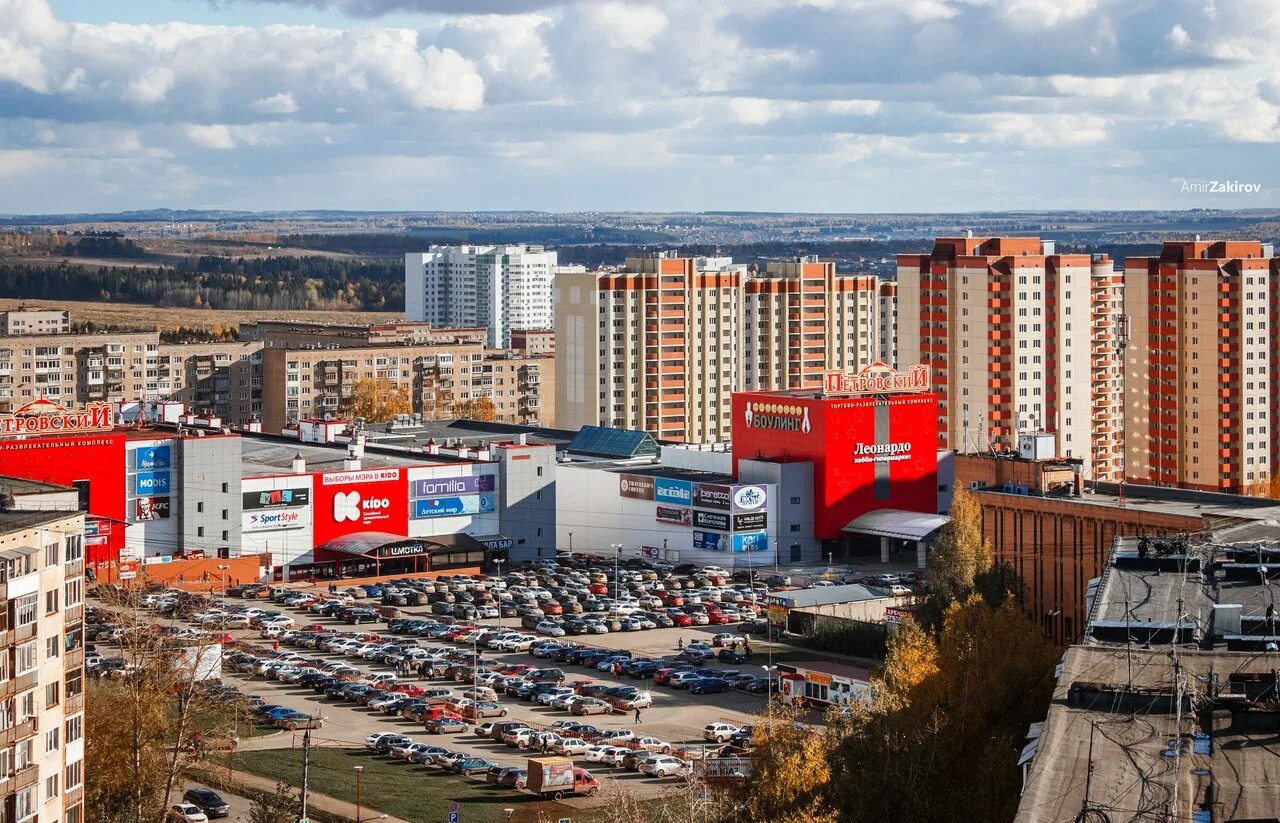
{"x": 1018, "y": 339}
{"x": 1200, "y": 392}
{"x": 661, "y": 344}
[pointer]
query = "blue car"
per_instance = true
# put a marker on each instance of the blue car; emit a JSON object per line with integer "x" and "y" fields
{"x": 708, "y": 685}
{"x": 279, "y": 712}
{"x": 372, "y": 591}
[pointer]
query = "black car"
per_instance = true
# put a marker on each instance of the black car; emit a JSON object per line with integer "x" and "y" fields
{"x": 731, "y": 656}
{"x": 209, "y": 802}
{"x": 309, "y": 680}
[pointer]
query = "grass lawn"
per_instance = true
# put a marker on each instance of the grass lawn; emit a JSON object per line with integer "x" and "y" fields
{"x": 405, "y": 790}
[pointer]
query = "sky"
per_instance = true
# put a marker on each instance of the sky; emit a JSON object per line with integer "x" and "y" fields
{"x": 646, "y": 105}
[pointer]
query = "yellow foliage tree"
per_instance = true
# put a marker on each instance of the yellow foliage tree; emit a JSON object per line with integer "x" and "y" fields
{"x": 377, "y": 400}
{"x": 961, "y": 555}
{"x": 790, "y": 770}
{"x": 480, "y": 408}
{"x": 911, "y": 660}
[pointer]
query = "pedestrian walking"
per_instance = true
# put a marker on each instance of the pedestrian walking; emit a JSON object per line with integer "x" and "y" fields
{"x": 638, "y": 720}
{"x": 333, "y": 587}
{"x": 680, "y": 644}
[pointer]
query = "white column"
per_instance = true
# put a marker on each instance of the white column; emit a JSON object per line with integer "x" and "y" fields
{"x": 884, "y": 550}
{"x": 920, "y": 554}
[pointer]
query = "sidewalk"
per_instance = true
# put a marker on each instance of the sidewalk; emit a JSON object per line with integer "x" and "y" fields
{"x": 330, "y": 807}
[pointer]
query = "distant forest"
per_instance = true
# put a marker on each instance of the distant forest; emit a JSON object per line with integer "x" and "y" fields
{"x": 268, "y": 283}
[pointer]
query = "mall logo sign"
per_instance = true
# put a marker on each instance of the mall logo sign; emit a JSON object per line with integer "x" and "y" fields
{"x": 43, "y": 416}
{"x": 778, "y": 417}
{"x": 881, "y": 452}
{"x": 349, "y": 506}
{"x": 878, "y": 378}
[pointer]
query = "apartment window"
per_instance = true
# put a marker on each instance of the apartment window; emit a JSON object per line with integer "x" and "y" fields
{"x": 25, "y": 609}
{"x": 224, "y": 515}
{"x": 51, "y": 786}
{"x": 51, "y": 602}
{"x": 52, "y": 555}
{"x": 75, "y": 776}
{"x": 75, "y": 728}
{"x": 199, "y": 531}
{"x": 24, "y": 804}
{"x": 224, "y": 534}
{"x": 200, "y": 507}
{"x": 52, "y": 647}
{"x": 52, "y": 694}
{"x": 52, "y": 739}
{"x": 74, "y": 548}
{"x": 225, "y": 488}
{"x": 74, "y": 592}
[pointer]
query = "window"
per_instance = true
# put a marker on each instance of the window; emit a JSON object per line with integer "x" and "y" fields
{"x": 225, "y": 517}
{"x": 51, "y": 786}
{"x": 52, "y": 739}
{"x": 225, "y": 487}
{"x": 52, "y": 694}
{"x": 24, "y": 804}
{"x": 25, "y": 609}
{"x": 74, "y": 547}
{"x": 795, "y": 501}
{"x": 52, "y": 647}
{"x": 200, "y": 506}
{"x": 52, "y": 555}
{"x": 225, "y": 534}
{"x": 73, "y": 592}
{"x": 199, "y": 531}
{"x": 25, "y": 658}
{"x": 75, "y": 772}
{"x": 51, "y": 601}
{"x": 75, "y": 728}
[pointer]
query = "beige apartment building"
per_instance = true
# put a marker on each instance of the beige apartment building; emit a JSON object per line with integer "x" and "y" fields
{"x": 289, "y": 334}
{"x": 35, "y": 321}
{"x": 76, "y": 369}
{"x": 1008, "y": 329}
{"x": 298, "y": 384}
{"x": 208, "y": 376}
{"x": 42, "y": 664}
{"x": 660, "y": 344}
{"x": 1200, "y": 393}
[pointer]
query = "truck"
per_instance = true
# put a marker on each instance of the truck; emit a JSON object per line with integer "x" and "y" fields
{"x": 557, "y": 778}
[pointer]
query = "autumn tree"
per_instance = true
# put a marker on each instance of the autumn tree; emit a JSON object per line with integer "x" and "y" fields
{"x": 1264, "y": 486}
{"x": 280, "y": 806}
{"x": 958, "y": 561}
{"x": 479, "y": 408}
{"x": 790, "y": 769}
{"x": 144, "y": 727}
{"x": 377, "y": 400}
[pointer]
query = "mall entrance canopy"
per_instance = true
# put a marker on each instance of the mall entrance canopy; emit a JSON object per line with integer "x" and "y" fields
{"x": 380, "y": 553}
{"x": 920, "y": 528}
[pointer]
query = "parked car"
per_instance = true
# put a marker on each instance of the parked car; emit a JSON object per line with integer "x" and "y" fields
{"x": 187, "y": 813}
{"x": 446, "y": 725}
{"x": 208, "y": 801}
{"x": 719, "y": 732}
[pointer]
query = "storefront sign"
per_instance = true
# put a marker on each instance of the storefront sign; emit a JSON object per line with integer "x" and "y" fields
{"x": 635, "y": 486}
{"x": 711, "y": 541}
{"x": 679, "y": 492}
{"x": 750, "y": 522}
{"x": 450, "y": 506}
{"x": 403, "y": 550}
{"x": 442, "y": 486}
{"x": 43, "y": 416}
{"x": 153, "y": 457}
{"x": 748, "y": 498}
{"x": 878, "y": 378}
{"x": 498, "y": 543}
{"x": 755, "y": 542}
{"x": 147, "y": 484}
{"x": 785, "y": 417}
{"x": 817, "y": 678}
{"x": 881, "y": 452}
{"x": 674, "y": 514}
{"x": 275, "y": 499}
{"x": 150, "y": 508}
{"x": 711, "y": 496}
{"x": 717, "y": 521}
{"x": 371, "y": 476}
{"x": 726, "y": 768}
{"x": 266, "y": 521}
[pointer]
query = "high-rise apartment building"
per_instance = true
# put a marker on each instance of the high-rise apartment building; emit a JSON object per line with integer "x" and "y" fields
{"x": 502, "y": 288}
{"x": 304, "y": 383}
{"x": 1200, "y": 393}
{"x": 661, "y": 344}
{"x": 1007, "y": 327}
{"x": 42, "y": 659}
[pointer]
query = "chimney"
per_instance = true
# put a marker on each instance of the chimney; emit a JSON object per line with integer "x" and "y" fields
{"x": 299, "y": 464}
{"x": 351, "y": 464}
{"x": 522, "y": 439}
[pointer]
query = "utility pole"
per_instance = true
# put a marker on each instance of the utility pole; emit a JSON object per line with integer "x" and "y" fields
{"x": 306, "y": 768}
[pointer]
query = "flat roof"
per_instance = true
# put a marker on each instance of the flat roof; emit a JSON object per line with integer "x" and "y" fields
{"x": 1130, "y": 754}
{"x": 656, "y": 470}
{"x": 261, "y": 457}
{"x": 825, "y": 595}
{"x": 18, "y": 485}
{"x": 11, "y": 521}
{"x": 897, "y": 524}
{"x": 469, "y": 431}
{"x": 829, "y": 667}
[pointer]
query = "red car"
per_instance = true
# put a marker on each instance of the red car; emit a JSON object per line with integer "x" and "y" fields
{"x": 662, "y": 676}
{"x": 458, "y": 631}
{"x": 314, "y": 627}
{"x": 672, "y": 599}
{"x": 551, "y": 607}
{"x": 717, "y": 618}
{"x": 517, "y": 669}
{"x": 598, "y": 588}
{"x": 680, "y": 619}
{"x": 408, "y": 688}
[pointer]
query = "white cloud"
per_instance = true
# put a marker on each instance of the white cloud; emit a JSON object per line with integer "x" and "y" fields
{"x": 754, "y": 111}
{"x": 150, "y": 86}
{"x": 211, "y": 136}
{"x": 281, "y": 103}
{"x": 863, "y": 107}
{"x": 623, "y": 25}
{"x": 1178, "y": 37}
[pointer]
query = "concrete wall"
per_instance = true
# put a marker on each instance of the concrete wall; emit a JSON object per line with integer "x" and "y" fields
{"x": 208, "y": 510}
{"x": 792, "y": 525}
{"x": 527, "y": 497}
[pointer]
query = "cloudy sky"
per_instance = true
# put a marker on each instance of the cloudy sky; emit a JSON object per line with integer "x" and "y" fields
{"x": 787, "y": 105}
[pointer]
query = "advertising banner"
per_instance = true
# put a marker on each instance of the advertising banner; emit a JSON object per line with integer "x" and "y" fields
{"x": 679, "y": 492}
{"x": 370, "y": 505}
{"x": 150, "y": 508}
{"x": 754, "y": 542}
{"x": 711, "y": 496}
{"x": 450, "y": 506}
{"x": 266, "y": 521}
{"x": 635, "y": 486}
{"x": 276, "y": 499}
{"x": 498, "y": 542}
{"x": 370, "y": 476}
{"x": 749, "y": 498}
{"x": 750, "y": 522}
{"x": 153, "y": 457}
{"x": 443, "y": 486}
{"x": 710, "y": 541}
{"x": 717, "y": 521}
{"x": 149, "y": 484}
{"x": 674, "y": 514}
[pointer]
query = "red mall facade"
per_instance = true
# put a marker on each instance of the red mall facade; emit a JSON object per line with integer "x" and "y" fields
{"x": 869, "y": 452}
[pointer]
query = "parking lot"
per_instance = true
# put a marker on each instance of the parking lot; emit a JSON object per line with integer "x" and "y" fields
{"x": 676, "y": 717}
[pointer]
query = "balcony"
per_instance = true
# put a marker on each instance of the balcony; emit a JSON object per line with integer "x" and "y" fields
{"x": 73, "y": 703}
{"x": 73, "y": 659}
{"x": 19, "y": 684}
{"x": 21, "y": 731}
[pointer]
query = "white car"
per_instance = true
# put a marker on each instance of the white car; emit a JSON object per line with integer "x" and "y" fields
{"x": 549, "y": 629}
{"x": 595, "y": 754}
{"x": 571, "y": 746}
{"x": 187, "y": 813}
{"x": 564, "y": 702}
{"x": 665, "y": 766}
{"x": 521, "y": 645}
{"x": 719, "y": 732}
{"x": 546, "y": 697}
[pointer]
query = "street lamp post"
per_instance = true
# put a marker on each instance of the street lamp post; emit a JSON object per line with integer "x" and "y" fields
{"x": 617, "y": 579}
{"x": 498, "y": 562}
{"x": 358, "y": 770}
{"x": 768, "y": 676}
